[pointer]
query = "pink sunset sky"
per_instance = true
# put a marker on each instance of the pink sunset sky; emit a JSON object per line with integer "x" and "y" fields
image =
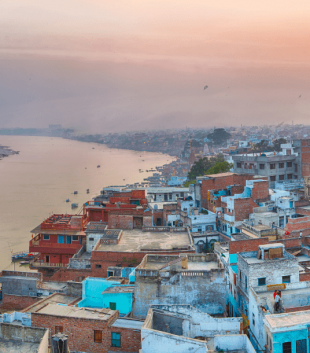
{"x": 102, "y": 66}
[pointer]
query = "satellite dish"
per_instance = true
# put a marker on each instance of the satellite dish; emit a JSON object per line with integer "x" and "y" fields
{"x": 205, "y": 87}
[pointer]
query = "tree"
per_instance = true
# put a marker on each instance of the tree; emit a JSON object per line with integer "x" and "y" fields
{"x": 202, "y": 166}
{"x": 261, "y": 146}
{"x": 219, "y": 136}
{"x": 278, "y": 142}
{"x": 220, "y": 167}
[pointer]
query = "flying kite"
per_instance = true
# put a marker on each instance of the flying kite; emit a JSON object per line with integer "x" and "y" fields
{"x": 205, "y": 87}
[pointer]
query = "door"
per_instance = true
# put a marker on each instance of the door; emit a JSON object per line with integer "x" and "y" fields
{"x": 301, "y": 346}
{"x": 47, "y": 259}
{"x": 69, "y": 239}
{"x": 158, "y": 222}
{"x": 61, "y": 239}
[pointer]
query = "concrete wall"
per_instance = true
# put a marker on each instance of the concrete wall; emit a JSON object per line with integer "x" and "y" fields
{"x": 205, "y": 290}
{"x": 21, "y": 333}
{"x": 19, "y": 285}
{"x": 155, "y": 341}
{"x": 234, "y": 342}
{"x": 74, "y": 289}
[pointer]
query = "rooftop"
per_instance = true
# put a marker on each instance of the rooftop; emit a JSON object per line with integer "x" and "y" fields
{"x": 136, "y": 240}
{"x": 76, "y": 312}
{"x": 284, "y": 321}
{"x": 51, "y": 299}
{"x": 119, "y": 289}
{"x": 128, "y": 323}
{"x": 251, "y": 257}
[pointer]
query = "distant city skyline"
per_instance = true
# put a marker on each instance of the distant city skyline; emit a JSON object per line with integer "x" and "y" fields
{"x": 112, "y": 67}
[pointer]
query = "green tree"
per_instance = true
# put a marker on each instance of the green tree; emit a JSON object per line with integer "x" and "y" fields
{"x": 220, "y": 167}
{"x": 202, "y": 166}
{"x": 278, "y": 142}
{"x": 219, "y": 136}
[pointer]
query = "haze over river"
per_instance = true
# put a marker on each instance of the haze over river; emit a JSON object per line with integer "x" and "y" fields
{"x": 36, "y": 183}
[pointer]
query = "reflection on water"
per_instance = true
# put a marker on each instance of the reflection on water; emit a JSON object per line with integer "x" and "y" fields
{"x": 36, "y": 183}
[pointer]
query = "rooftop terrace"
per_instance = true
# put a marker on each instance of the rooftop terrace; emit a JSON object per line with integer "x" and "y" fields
{"x": 51, "y": 299}
{"x": 136, "y": 240}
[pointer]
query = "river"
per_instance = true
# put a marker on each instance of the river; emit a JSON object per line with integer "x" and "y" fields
{"x": 36, "y": 182}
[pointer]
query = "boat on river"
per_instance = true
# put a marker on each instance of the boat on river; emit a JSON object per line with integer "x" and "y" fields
{"x": 22, "y": 255}
{"x": 74, "y": 205}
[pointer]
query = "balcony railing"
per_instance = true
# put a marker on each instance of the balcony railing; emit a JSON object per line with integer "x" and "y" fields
{"x": 41, "y": 264}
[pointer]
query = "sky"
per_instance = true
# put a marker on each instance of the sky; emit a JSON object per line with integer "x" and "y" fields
{"x": 111, "y": 66}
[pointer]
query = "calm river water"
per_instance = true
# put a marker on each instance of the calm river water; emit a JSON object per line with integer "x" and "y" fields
{"x": 36, "y": 183}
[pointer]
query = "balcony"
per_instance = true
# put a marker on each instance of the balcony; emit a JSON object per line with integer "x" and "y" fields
{"x": 41, "y": 264}
{"x": 39, "y": 245}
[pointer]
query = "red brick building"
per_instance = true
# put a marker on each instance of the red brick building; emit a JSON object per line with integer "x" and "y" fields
{"x": 57, "y": 239}
{"x": 89, "y": 330}
{"x": 120, "y": 202}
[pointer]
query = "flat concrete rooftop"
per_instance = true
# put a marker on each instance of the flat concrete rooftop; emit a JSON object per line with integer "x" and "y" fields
{"x": 52, "y": 299}
{"x": 18, "y": 347}
{"x": 136, "y": 240}
{"x": 288, "y": 319}
{"x": 76, "y": 312}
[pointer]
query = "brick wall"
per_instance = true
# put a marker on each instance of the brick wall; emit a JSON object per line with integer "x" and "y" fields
{"x": 80, "y": 331}
{"x": 246, "y": 245}
{"x": 243, "y": 207}
{"x": 305, "y": 157}
{"x": 260, "y": 190}
{"x": 304, "y": 277}
{"x": 17, "y": 302}
{"x": 130, "y": 340}
{"x": 117, "y": 221}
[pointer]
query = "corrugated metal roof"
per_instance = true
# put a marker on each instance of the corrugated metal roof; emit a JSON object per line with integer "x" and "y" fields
{"x": 128, "y": 323}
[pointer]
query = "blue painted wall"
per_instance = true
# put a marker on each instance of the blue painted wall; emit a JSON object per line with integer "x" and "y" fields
{"x": 95, "y": 297}
{"x": 290, "y": 336}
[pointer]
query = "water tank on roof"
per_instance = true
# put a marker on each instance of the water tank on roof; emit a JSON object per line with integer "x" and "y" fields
{"x": 60, "y": 343}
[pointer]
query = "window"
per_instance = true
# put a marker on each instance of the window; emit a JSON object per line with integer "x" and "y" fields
{"x": 289, "y": 164}
{"x": 240, "y": 275}
{"x": 112, "y": 306}
{"x": 98, "y": 266}
{"x": 75, "y": 237}
{"x": 272, "y": 166}
{"x": 69, "y": 239}
{"x": 286, "y": 279}
{"x": 182, "y": 194}
{"x": 273, "y": 178}
{"x": 223, "y": 210}
{"x": 91, "y": 239}
{"x": 59, "y": 329}
{"x": 46, "y": 237}
{"x": 177, "y": 195}
{"x": 170, "y": 196}
{"x": 262, "y": 166}
{"x": 289, "y": 176}
{"x": 281, "y": 165}
{"x": 262, "y": 281}
{"x": 301, "y": 346}
{"x": 287, "y": 347}
{"x": 296, "y": 168}
{"x": 281, "y": 177}
{"x": 253, "y": 319}
{"x": 245, "y": 282}
{"x": 238, "y": 165}
{"x": 97, "y": 336}
{"x": 61, "y": 239}
{"x": 115, "y": 339}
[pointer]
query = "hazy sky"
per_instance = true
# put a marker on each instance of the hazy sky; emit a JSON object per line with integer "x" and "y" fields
{"x": 120, "y": 65}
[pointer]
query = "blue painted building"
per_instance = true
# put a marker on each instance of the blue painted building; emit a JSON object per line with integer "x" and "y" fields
{"x": 102, "y": 293}
{"x": 176, "y": 180}
{"x": 288, "y": 333}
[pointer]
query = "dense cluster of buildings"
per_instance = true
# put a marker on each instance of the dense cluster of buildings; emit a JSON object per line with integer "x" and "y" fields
{"x": 173, "y": 269}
